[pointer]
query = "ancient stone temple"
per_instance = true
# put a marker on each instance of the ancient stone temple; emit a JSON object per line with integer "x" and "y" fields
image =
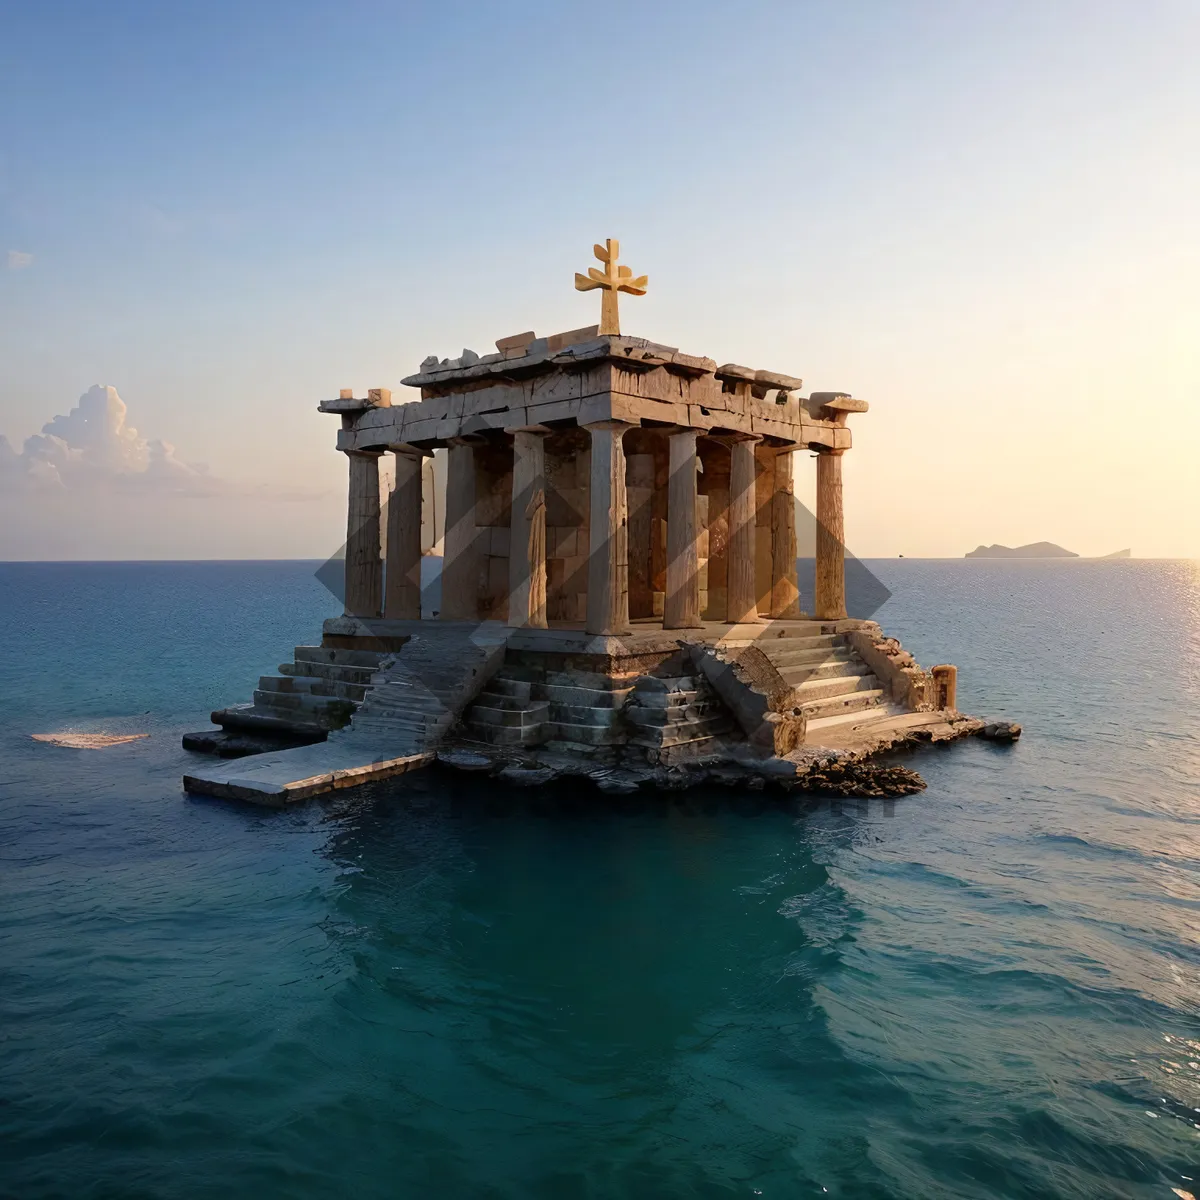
{"x": 619, "y": 592}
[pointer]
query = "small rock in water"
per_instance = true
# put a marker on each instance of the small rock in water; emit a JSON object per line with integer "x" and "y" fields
{"x": 1001, "y": 731}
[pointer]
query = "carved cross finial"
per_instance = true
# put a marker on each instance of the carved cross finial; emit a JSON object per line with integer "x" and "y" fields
{"x": 612, "y": 279}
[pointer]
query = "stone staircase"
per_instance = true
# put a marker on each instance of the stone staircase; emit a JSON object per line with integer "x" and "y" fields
{"x": 418, "y": 694}
{"x": 789, "y": 686}
{"x": 667, "y": 719}
{"x": 575, "y": 711}
{"x": 506, "y": 714}
{"x": 317, "y": 692}
{"x": 676, "y": 719}
{"x": 828, "y": 677}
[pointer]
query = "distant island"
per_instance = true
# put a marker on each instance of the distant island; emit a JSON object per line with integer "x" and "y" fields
{"x": 1033, "y": 550}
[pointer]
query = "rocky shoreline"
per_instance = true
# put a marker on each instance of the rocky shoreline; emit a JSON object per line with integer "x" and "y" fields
{"x": 840, "y": 773}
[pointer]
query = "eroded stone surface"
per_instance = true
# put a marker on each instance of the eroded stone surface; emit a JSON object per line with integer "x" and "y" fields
{"x": 87, "y": 741}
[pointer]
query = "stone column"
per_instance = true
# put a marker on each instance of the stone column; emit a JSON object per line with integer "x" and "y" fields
{"x": 742, "y": 598}
{"x": 527, "y": 541}
{"x": 785, "y": 590}
{"x": 608, "y": 552}
{"x": 460, "y": 566}
{"x": 830, "y": 600}
{"x": 402, "y": 595}
{"x": 681, "y": 606}
{"x": 364, "y": 567}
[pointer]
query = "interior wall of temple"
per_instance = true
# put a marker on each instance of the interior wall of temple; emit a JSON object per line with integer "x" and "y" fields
{"x": 713, "y": 523}
{"x": 639, "y": 445}
{"x": 568, "y": 520}
{"x": 493, "y": 522}
{"x": 433, "y": 503}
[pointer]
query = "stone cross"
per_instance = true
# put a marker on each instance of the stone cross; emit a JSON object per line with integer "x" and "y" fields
{"x": 612, "y": 279}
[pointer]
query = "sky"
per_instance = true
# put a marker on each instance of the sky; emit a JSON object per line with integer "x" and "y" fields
{"x": 982, "y": 218}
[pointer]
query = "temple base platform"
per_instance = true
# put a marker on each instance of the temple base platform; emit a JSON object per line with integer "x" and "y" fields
{"x": 784, "y": 702}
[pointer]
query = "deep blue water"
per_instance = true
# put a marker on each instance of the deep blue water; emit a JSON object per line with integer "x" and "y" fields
{"x": 439, "y": 988}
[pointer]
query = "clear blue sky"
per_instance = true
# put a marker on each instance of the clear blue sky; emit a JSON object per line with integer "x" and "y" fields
{"x": 980, "y": 216}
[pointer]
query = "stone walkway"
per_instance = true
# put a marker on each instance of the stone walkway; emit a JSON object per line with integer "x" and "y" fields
{"x": 280, "y": 778}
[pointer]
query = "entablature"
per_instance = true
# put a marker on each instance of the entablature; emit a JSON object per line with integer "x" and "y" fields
{"x": 559, "y": 381}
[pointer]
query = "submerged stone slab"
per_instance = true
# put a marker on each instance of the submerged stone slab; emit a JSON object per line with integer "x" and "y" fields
{"x": 87, "y": 741}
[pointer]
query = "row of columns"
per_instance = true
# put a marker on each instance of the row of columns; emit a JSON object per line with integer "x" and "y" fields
{"x": 365, "y": 593}
{"x": 608, "y": 561}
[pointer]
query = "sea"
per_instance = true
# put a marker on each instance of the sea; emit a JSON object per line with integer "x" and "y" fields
{"x": 440, "y": 987}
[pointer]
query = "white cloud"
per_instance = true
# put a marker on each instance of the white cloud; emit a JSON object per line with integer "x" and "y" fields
{"x": 18, "y": 260}
{"x": 92, "y": 449}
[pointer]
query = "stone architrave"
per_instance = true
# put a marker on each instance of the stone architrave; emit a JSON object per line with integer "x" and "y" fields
{"x": 402, "y": 591}
{"x": 364, "y": 567}
{"x": 681, "y": 606}
{"x": 527, "y": 542}
{"x": 460, "y": 566}
{"x": 785, "y": 590}
{"x": 608, "y": 557}
{"x": 830, "y": 598}
{"x": 741, "y": 605}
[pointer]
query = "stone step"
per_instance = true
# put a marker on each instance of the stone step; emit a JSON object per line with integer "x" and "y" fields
{"x": 415, "y": 735}
{"x": 771, "y": 647}
{"x": 510, "y": 735}
{"x": 852, "y": 702}
{"x": 830, "y": 670}
{"x": 558, "y": 693}
{"x": 661, "y": 718}
{"x": 818, "y": 689}
{"x": 331, "y": 671}
{"x": 663, "y": 700}
{"x": 585, "y": 679}
{"x": 261, "y": 720}
{"x": 862, "y": 716}
{"x": 521, "y": 718}
{"x": 394, "y": 736}
{"x": 649, "y": 684}
{"x": 382, "y": 698}
{"x": 782, "y": 657}
{"x": 583, "y": 714}
{"x": 313, "y": 685}
{"x": 704, "y": 749}
{"x": 773, "y": 630}
{"x": 518, "y": 689}
{"x": 339, "y": 658}
{"x": 587, "y": 735}
{"x": 683, "y": 734}
{"x": 410, "y": 687}
{"x": 303, "y": 702}
{"x": 402, "y": 712}
{"x": 493, "y": 699}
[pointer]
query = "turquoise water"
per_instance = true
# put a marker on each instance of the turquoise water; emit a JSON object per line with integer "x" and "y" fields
{"x": 440, "y": 988}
